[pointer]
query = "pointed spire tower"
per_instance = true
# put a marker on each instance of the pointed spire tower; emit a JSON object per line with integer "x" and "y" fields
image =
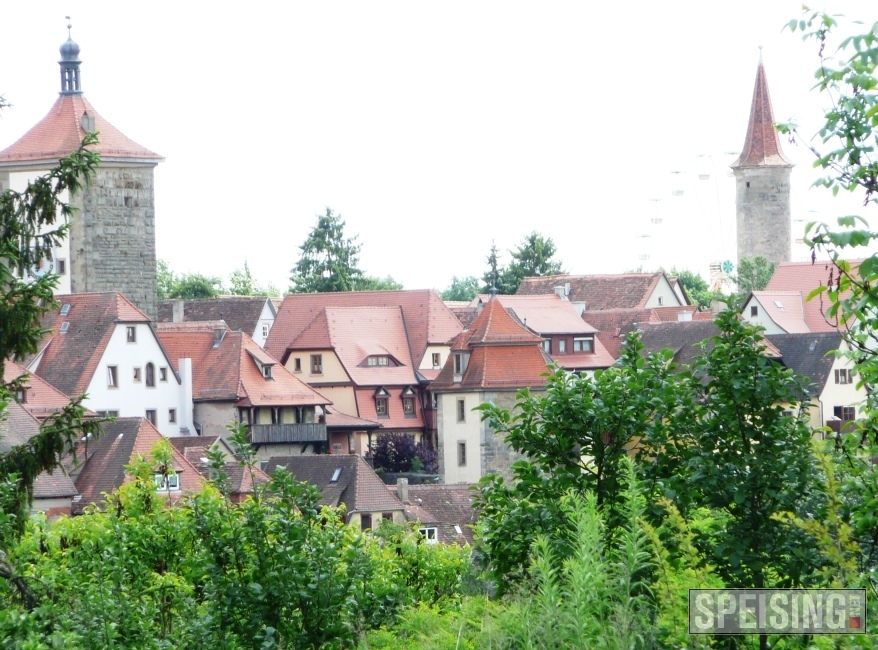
{"x": 762, "y": 175}
{"x": 111, "y": 246}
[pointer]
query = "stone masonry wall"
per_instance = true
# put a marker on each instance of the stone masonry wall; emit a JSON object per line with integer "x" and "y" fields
{"x": 112, "y": 236}
{"x": 497, "y": 455}
{"x": 763, "y": 213}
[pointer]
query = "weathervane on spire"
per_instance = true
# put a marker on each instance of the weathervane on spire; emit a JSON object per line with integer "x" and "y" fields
{"x": 68, "y": 26}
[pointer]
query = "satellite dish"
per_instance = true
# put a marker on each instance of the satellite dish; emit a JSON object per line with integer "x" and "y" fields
{"x": 727, "y": 266}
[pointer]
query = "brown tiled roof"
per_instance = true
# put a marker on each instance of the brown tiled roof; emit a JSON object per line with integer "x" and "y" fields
{"x": 442, "y": 506}
{"x": 427, "y": 319}
{"x": 56, "y": 485}
{"x": 681, "y": 338}
{"x": 241, "y": 313}
{"x": 621, "y": 291}
{"x": 761, "y": 145}
{"x": 503, "y": 355}
{"x": 69, "y": 360}
{"x": 17, "y": 426}
{"x": 41, "y": 398}
{"x": 809, "y": 354}
{"x": 104, "y": 468}
{"x": 60, "y": 132}
{"x": 803, "y": 278}
{"x": 337, "y": 420}
{"x": 229, "y": 371}
{"x": 613, "y": 323}
{"x": 465, "y": 315}
{"x": 358, "y": 486}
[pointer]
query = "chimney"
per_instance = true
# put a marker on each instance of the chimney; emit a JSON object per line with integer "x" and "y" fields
{"x": 579, "y": 306}
{"x": 560, "y": 292}
{"x": 179, "y": 309}
{"x": 684, "y": 316}
{"x": 402, "y": 489}
{"x": 185, "y": 404}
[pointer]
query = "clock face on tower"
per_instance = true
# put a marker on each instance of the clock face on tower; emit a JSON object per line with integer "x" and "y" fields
{"x": 727, "y": 266}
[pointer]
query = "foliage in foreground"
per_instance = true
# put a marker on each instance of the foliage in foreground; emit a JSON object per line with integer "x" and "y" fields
{"x": 272, "y": 572}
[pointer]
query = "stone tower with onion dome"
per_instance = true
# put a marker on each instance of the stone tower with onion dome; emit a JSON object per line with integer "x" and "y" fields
{"x": 111, "y": 245}
{"x": 762, "y": 176}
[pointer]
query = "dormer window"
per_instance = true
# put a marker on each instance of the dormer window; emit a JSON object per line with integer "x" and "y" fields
{"x": 21, "y": 394}
{"x": 170, "y": 482}
{"x": 408, "y": 402}
{"x": 583, "y": 345}
{"x": 461, "y": 360}
{"x": 266, "y": 372}
{"x": 382, "y": 398}
{"x": 378, "y": 360}
{"x": 131, "y": 332}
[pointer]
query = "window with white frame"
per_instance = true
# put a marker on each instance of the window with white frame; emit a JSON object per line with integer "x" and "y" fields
{"x": 131, "y": 331}
{"x": 843, "y": 376}
{"x": 151, "y": 416}
{"x": 430, "y": 534}
{"x": 112, "y": 377}
{"x": 583, "y": 345}
{"x": 562, "y": 346}
{"x": 170, "y": 482}
{"x": 316, "y": 364}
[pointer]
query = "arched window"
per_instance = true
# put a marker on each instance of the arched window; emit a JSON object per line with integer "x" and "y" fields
{"x": 150, "y": 375}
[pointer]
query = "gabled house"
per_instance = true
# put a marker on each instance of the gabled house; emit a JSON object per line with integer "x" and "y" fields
{"x": 102, "y": 463}
{"x": 102, "y": 345}
{"x": 489, "y": 362}
{"x": 428, "y": 323}
{"x": 235, "y": 380}
{"x": 569, "y": 341}
{"x": 360, "y": 358}
{"x": 444, "y": 513}
{"x": 253, "y": 315}
{"x": 599, "y": 292}
{"x": 36, "y": 395}
{"x": 348, "y": 481}
{"x": 834, "y": 398}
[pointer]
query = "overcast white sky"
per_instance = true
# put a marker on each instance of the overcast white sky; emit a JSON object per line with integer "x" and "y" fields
{"x": 433, "y": 128}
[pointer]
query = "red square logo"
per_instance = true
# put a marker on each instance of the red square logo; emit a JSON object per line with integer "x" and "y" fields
{"x": 854, "y": 622}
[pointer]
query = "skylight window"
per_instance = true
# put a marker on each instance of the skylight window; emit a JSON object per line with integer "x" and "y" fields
{"x": 778, "y": 304}
{"x": 335, "y": 475}
{"x": 65, "y": 326}
{"x": 65, "y": 309}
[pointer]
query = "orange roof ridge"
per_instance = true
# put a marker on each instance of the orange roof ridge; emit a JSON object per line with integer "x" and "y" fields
{"x": 761, "y": 145}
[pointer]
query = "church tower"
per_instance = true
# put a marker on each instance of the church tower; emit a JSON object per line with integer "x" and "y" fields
{"x": 111, "y": 243}
{"x": 762, "y": 176}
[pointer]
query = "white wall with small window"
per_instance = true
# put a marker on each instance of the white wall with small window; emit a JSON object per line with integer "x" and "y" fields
{"x": 135, "y": 378}
{"x": 459, "y": 438}
{"x": 663, "y": 295}
{"x": 264, "y": 325}
{"x": 840, "y": 390}
{"x": 434, "y": 357}
{"x": 755, "y": 313}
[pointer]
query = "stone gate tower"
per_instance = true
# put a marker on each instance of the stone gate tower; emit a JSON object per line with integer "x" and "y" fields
{"x": 762, "y": 175}
{"x": 111, "y": 246}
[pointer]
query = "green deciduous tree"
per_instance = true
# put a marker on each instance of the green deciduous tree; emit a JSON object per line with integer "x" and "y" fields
{"x": 465, "y": 288}
{"x": 242, "y": 283}
{"x": 753, "y": 275}
{"x": 574, "y": 437}
{"x": 369, "y": 283}
{"x": 696, "y": 288}
{"x": 329, "y": 259}
{"x": 188, "y": 286}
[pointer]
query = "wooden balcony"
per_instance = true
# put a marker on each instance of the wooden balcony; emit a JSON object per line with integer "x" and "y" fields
{"x": 264, "y": 434}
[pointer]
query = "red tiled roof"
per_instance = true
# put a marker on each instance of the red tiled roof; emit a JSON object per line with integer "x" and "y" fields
{"x": 761, "y": 145}
{"x": 396, "y": 417}
{"x": 56, "y": 485}
{"x": 241, "y": 313}
{"x": 358, "y": 486}
{"x": 60, "y": 132}
{"x": 17, "y": 426}
{"x": 600, "y": 358}
{"x": 803, "y": 278}
{"x": 503, "y": 355}
{"x": 337, "y": 420}
{"x": 546, "y": 314}
{"x": 785, "y": 308}
{"x": 613, "y": 323}
{"x": 621, "y": 291}
{"x": 69, "y": 360}
{"x": 41, "y": 398}
{"x": 427, "y": 319}
{"x": 494, "y": 326}
{"x": 229, "y": 371}
{"x": 104, "y": 469}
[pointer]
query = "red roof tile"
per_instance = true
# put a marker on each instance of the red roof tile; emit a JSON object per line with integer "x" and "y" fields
{"x": 803, "y": 278}
{"x": 41, "y": 398}
{"x": 229, "y": 371}
{"x": 621, "y": 291}
{"x": 396, "y": 418}
{"x": 427, "y": 319}
{"x": 494, "y": 326}
{"x": 761, "y": 145}
{"x": 60, "y": 132}
{"x": 546, "y": 314}
{"x": 442, "y": 506}
{"x": 69, "y": 360}
{"x": 104, "y": 468}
